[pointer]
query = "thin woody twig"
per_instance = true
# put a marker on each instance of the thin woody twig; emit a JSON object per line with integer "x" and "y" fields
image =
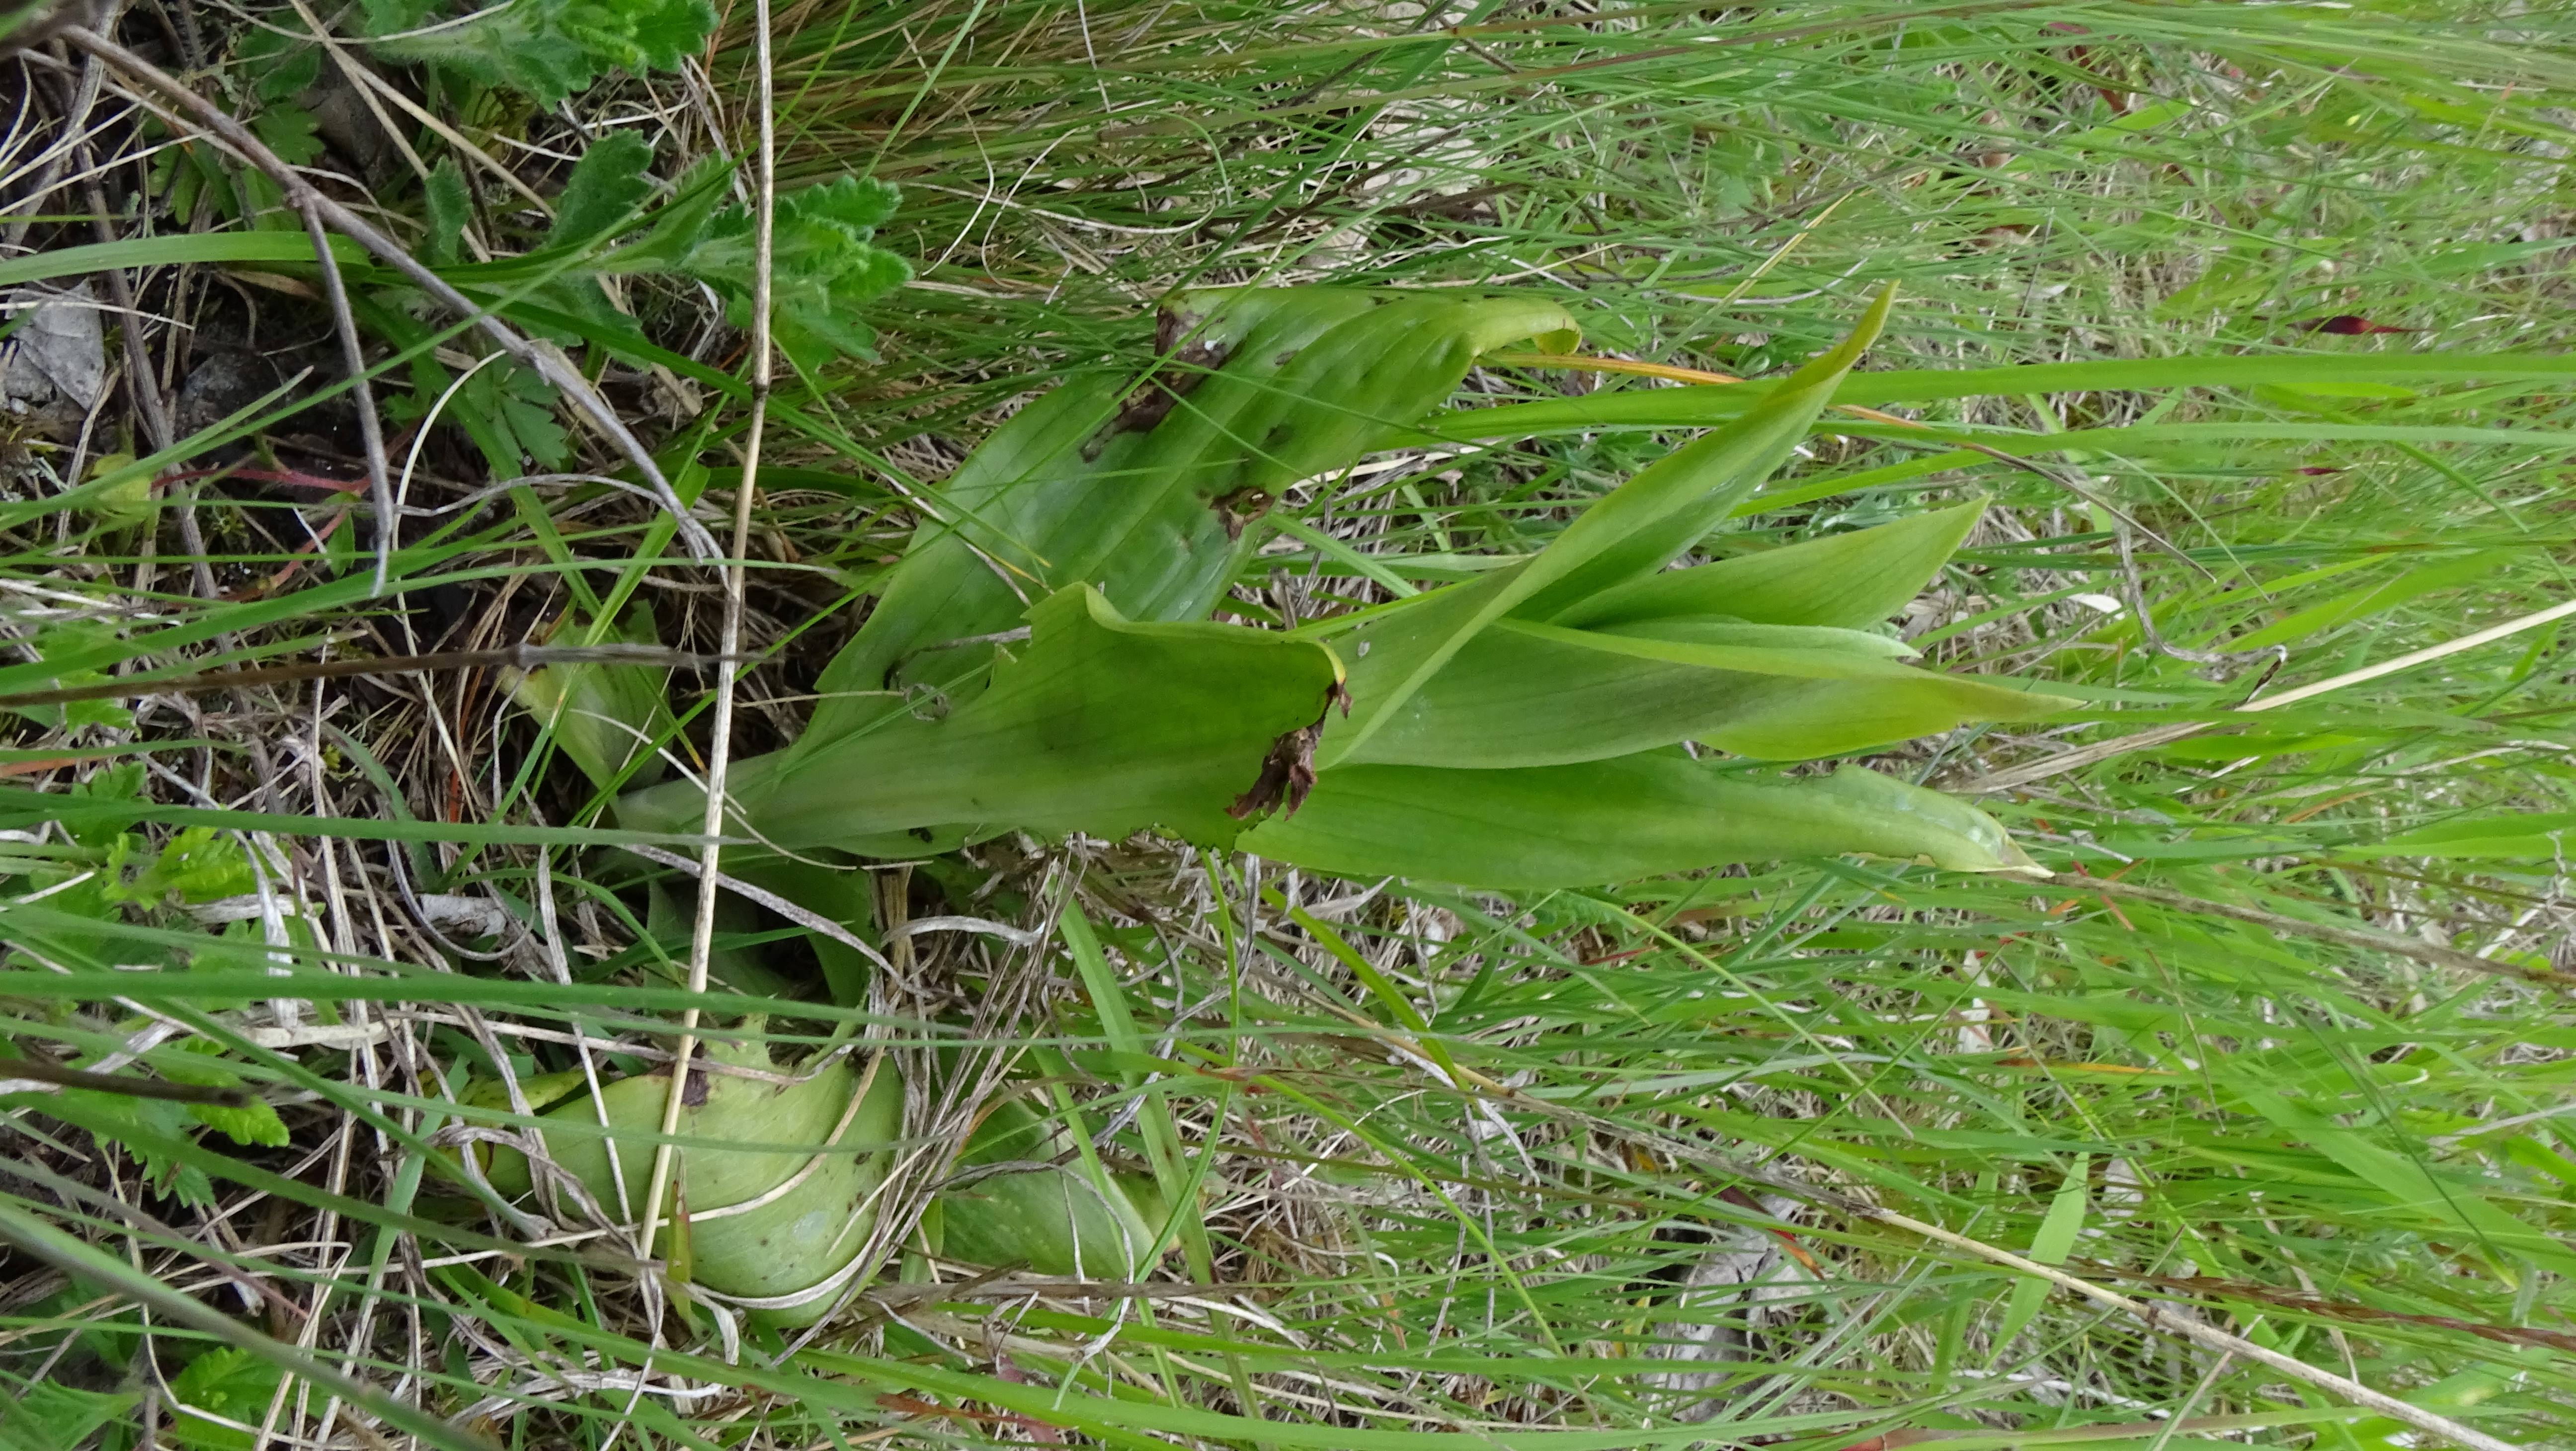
{"x": 371, "y": 431}
{"x": 40, "y": 1070}
{"x": 546, "y": 363}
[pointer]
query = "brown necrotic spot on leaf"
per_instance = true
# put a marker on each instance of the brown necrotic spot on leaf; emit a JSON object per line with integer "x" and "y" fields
{"x": 1187, "y": 365}
{"x": 693, "y": 1094}
{"x": 1288, "y": 772}
{"x": 1239, "y": 508}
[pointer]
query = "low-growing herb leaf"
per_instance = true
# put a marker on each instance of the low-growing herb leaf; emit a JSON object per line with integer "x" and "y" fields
{"x": 604, "y": 190}
{"x": 545, "y": 48}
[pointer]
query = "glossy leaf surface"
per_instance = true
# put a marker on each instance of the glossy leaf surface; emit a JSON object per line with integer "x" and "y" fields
{"x": 1605, "y": 821}
{"x": 1154, "y": 498}
{"x": 1107, "y": 726}
{"x": 1535, "y": 695}
{"x": 1639, "y": 528}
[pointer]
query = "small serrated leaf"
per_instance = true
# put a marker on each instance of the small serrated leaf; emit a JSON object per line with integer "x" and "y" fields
{"x": 248, "y": 1124}
{"x": 860, "y": 204}
{"x": 660, "y": 34}
{"x": 290, "y": 132}
{"x": 254, "y": 1123}
{"x": 606, "y": 187}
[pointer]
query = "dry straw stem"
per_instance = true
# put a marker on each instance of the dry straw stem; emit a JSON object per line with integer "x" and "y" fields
{"x": 702, "y": 931}
{"x": 806, "y": 918}
{"x": 2083, "y": 756}
{"x": 301, "y": 195}
{"x": 371, "y": 429}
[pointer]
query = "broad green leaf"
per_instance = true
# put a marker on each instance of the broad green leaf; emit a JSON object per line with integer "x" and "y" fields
{"x": 46, "y": 1414}
{"x": 603, "y": 716}
{"x": 1810, "y": 652}
{"x": 2050, "y": 1246}
{"x": 843, "y": 895}
{"x": 1523, "y": 694}
{"x": 1853, "y": 580}
{"x": 1606, "y": 821}
{"x": 670, "y": 918}
{"x": 1265, "y": 387}
{"x": 1640, "y": 527}
{"x": 1106, "y": 726}
{"x": 234, "y": 1384}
